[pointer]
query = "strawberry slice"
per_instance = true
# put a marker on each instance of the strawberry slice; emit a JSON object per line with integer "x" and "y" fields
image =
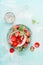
{"x": 19, "y": 40}
{"x": 13, "y": 38}
{"x": 25, "y": 30}
{"x": 15, "y": 43}
{"x": 22, "y": 37}
{"x": 28, "y": 33}
{"x": 17, "y": 33}
{"x": 28, "y": 40}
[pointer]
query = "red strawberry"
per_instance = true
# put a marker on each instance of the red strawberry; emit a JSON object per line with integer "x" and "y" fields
{"x": 25, "y": 30}
{"x": 19, "y": 40}
{"x": 13, "y": 38}
{"x": 15, "y": 43}
{"x": 36, "y": 44}
{"x": 28, "y": 40}
{"x": 28, "y": 33}
{"x": 11, "y": 50}
{"x": 17, "y": 34}
{"x": 22, "y": 37}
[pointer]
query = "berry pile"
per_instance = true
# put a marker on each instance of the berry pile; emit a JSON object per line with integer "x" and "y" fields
{"x": 16, "y": 37}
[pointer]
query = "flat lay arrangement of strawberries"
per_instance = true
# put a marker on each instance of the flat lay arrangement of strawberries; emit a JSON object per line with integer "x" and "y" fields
{"x": 20, "y": 38}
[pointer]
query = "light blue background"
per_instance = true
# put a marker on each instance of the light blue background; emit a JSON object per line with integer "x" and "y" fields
{"x": 25, "y": 11}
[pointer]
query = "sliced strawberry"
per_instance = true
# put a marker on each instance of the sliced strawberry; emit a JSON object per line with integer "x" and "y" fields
{"x": 28, "y": 33}
{"x": 17, "y": 34}
{"x": 22, "y": 37}
{"x": 28, "y": 40}
{"x": 25, "y": 30}
{"x": 15, "y": 43}
{"x": 25, "y": 45}
{"x": 19, "y": 40}
{"x": 13, "y": 38}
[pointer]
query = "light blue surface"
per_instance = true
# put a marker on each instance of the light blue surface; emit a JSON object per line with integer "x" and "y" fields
{"x": 25, "y": 11}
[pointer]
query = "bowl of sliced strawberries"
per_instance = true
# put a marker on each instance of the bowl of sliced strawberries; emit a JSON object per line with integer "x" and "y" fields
{"x": 19, "y": 36}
